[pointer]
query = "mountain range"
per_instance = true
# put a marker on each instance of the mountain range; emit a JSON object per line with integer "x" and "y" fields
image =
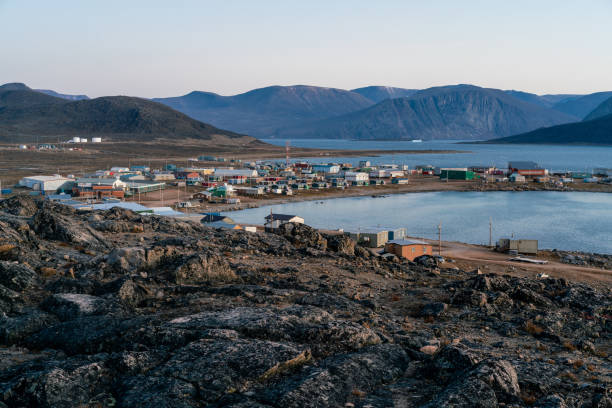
{"x": 25, "y": 113}
{"x": 449, "y": 112}
{"x": 464, "y": 112}
{"x": 377, "y": 112}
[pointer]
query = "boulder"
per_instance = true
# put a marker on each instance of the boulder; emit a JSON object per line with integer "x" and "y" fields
{"x": 203, "y": 267}
{"x": 435, "y": 309}
{"x": 340, "y": 243}
{"x": 22, "y": 205}
{"x": 16, "y": 276}
{"x": 126, "y": 260}
{"x": 51, "y": 222}
{"x": 76, "y": 383}
{"x": 15, "y": 329}
{"x": 427, "y": 261}
{"x": 469, "y": 297}
{"x": 69, "y": 306}
{"x": 8, "y": 299}
{"x": 302, "y": 235}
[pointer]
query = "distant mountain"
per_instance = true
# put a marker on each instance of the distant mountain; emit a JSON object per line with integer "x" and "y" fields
{"x": 261, "y": 112}
{"x": 63, "y": 96}
{"x": 380, "y": 93}
{"x": 604, "y": 109}
{"x": 530, "y": 97}
{"x": 582, "y": 106}
{"x": 14, "y": 86}
{"x": 26, "y": 113}
{"x": 558, "y": 98}
{"x": 449, "y": 112}
{"x": 592, "y": 132}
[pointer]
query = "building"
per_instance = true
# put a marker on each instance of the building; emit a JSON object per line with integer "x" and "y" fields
{"x": 84, "y": 183}
{"x": 408, "y": 248}
{"x": 516, "y": 178}
{"x": 47, "y": 183}
{"x": 230, "y": 173}
{"x": 397, "y": 233}
{"x": 522, "y": 246}
{"x": 137, "y": 187}
{"x": 326, "y": 168}
{"x": 274, "y": 221}
{"x": 526, "y": 168}
{"x": 456, "y": 174}
{"x": 370, "y": 238}
{"x": 352, "y": 176}
{"x": 399, "y": 180}
{"x": 364, "y": 163}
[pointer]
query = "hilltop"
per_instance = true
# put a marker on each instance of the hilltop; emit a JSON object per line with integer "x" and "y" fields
{"x": 379, "y": 93}
{"x": 583, "y": 105}
{"x": 25, "y": 113}
{"x": 450, "y": 112}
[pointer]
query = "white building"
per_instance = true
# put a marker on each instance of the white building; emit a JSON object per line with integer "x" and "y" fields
{"x": 229, "y": 173}
{"x": 47, "y": 183}
{"x": 119, "y": 170}
{"x": 356, "y": 176}
{"x": 326, "y": 168}
{"x": 86, "y": 182}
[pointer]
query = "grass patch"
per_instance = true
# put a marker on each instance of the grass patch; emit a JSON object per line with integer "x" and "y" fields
{"x": 533, "y": 329}
{"x": 287, "y": 366}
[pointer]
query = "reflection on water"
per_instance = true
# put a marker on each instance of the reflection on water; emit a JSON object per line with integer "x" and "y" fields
{"x": 556, "y": 158}
{"x": 570, "y": 221}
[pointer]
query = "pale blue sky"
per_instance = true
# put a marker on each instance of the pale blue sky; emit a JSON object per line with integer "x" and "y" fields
{"x": 165, "y": 48}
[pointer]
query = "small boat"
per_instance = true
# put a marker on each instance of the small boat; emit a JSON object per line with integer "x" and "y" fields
{"x": 417, "y": 141}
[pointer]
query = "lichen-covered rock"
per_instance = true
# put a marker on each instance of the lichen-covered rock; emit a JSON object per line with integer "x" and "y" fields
{"x": 69, "y": 306}
{"x": 53, "y": 222}
{"x": 340, "y": 243}
{"x": 302, "y": 235}
{"x": 16, "y": 276}
{"x": 205, "y": 267}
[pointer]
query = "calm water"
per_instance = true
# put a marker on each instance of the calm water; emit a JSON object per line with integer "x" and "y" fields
{"x": 556, "y": 158}
{"x": 571, "y": 221}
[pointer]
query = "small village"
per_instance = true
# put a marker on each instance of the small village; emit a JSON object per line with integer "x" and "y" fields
{"x": 193, "y": 191}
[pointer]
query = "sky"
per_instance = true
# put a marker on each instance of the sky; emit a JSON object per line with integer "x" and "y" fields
{"x": 152, "y": 48}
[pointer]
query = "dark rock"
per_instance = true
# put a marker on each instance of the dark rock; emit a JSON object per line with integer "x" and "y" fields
{"x": 16, "y": 329}
{"x": 340, "y": 243}
{"x": 15, "y": 276}
{"x": 206, "y": 267}
{"x": 57, "y": 386}
{"x": 427, "y": 261}
{"x": 338, "y": 378}
{"x": 21, "y": 205}
{"x": 50, "y": 223}
{"x": 126, "y": 260}
{"x": 217, "y": 367}
{"x": 435, "y": 309}
{"x": 469, "y": 297}
{"x": 451, "y": 361}
{"x": 297, "y": 324}
{"x": 8, "y": 299}
{"x": 69, "y": 306}
{"x": 302, "y": 235}
{"x": 151, "y": 391}
{"x": 550, "y": 401}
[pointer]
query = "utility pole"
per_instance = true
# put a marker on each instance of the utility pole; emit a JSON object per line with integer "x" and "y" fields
{"x": 287, "y": 154}
{"x": 440, "y": 238}
{"x": 490, "y": 232}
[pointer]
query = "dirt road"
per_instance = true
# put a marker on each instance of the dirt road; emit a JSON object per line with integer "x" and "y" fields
{"x": 467, "y": 256}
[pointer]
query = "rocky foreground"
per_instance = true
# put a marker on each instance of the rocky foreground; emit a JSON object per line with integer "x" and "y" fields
{"x": 115, "y": 309}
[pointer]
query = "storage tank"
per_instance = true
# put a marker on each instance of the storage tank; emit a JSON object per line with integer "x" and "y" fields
{"x": 83, "y": 140}
{"x": 76, "y": 139}
{"x": 96, "y": 140}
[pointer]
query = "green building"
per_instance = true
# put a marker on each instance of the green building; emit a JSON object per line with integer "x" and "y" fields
{"x": 456, "y": 174}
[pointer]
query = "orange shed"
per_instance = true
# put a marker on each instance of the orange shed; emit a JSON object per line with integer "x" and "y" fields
{"x": 408, "y": 248}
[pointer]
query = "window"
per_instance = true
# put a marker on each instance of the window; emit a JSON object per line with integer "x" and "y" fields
{"x": 424, "y": 249}
{"x": 413, "y": 248}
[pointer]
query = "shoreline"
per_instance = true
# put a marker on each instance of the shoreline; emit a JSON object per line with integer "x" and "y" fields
{"x": 425, "y": 185}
